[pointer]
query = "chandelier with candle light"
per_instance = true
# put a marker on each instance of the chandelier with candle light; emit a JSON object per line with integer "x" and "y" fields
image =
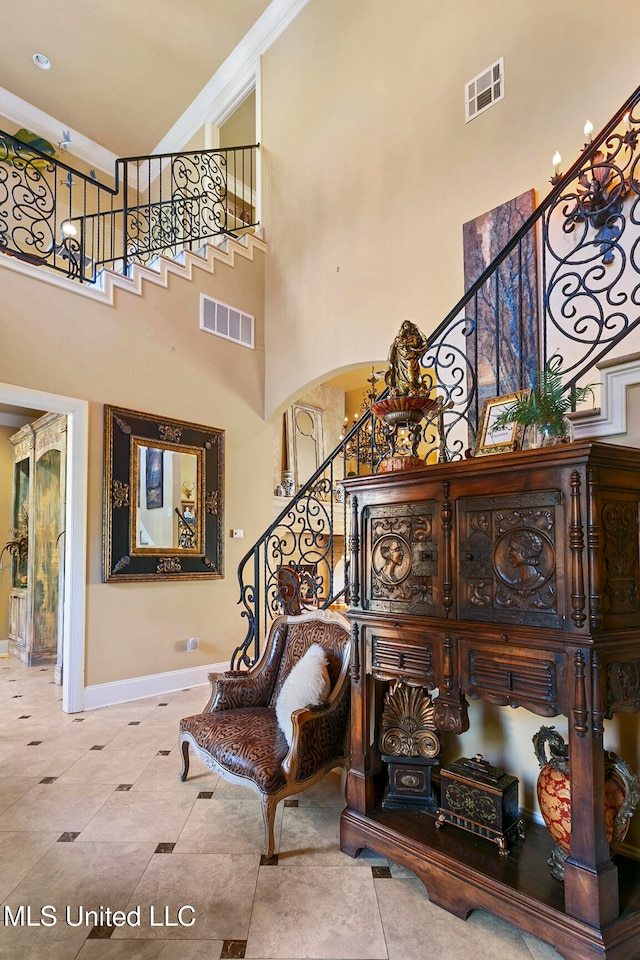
{"x": 366, "y": 445}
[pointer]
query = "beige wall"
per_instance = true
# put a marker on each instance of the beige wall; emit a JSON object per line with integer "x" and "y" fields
{"x": 371, "y": 170}
{"x": 240, "y": 129}
{"x": 147, "y": 353}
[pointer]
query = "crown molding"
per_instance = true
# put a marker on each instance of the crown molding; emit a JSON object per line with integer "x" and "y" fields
{"x": 31, "y": 118}
{"x": 231, "y": 83}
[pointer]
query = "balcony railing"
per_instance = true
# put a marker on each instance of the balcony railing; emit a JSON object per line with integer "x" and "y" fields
{"x": 57, "y": 217}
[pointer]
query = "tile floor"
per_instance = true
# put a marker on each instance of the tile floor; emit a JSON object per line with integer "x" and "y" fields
{"x": 94, "y": 818}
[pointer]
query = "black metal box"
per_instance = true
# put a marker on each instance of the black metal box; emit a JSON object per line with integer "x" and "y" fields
{"x": 482, "y": 799}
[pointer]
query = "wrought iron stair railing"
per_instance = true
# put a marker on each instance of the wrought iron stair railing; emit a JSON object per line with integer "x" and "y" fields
{"x": 60, "y": 218}
{"x": 587, "y": 232}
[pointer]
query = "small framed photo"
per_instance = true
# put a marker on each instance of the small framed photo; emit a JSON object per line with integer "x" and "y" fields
{"x": 496, "y": 439}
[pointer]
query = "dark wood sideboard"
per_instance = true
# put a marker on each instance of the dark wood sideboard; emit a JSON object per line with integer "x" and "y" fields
{"x": 513, "y": 579}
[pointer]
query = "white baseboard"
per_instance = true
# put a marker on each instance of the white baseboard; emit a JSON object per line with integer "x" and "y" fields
{"x": 156, "y": 684}
{"x": 4, "y": 648}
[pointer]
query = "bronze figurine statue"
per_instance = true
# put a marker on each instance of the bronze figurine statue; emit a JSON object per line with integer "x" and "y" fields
{"x": 403, "y": 377}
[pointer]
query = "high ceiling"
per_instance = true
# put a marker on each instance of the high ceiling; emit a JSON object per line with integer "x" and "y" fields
{"x": 121, "y": 72}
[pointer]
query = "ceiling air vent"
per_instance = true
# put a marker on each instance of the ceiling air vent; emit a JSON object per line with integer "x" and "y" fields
{"x": 484, "y": 90}
{"x": 225, "y": 321}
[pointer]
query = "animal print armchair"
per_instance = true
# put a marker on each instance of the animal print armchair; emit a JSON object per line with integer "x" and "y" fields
{"x": 238, "y": 734}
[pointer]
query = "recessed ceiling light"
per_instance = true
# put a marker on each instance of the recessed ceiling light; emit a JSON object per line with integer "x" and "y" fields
{"x": 41, "y": 61}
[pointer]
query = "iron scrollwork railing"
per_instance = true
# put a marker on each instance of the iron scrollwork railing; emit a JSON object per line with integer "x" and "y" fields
{"x": 586, "y": 302}
{"x": 57, "y": 217}
{"x": 300, "y": 561}
{"x": 591, "y": 248}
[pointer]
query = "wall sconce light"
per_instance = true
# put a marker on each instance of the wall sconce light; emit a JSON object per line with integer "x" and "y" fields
{"x": 69, "y": 248}
{"x": 597, "y": 192}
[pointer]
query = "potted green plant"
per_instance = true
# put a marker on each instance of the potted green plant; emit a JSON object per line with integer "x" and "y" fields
{"x": 544, "y": 408}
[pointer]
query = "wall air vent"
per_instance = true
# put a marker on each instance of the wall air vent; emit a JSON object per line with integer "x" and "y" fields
{"x": 225, "y": 321}
{"x": 484, "y": 90}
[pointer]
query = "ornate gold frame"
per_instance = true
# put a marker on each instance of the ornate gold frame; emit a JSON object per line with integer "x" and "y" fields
{"x": 510, "y": 437}
{"x": 125, "y": 431}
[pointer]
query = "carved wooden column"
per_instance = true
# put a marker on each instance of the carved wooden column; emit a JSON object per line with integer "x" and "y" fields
{"x": 356, "y": 788}
{"x": 590, "y": 878}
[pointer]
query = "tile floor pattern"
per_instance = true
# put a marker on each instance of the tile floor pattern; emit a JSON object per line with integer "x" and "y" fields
{"x": 93, "y": 817}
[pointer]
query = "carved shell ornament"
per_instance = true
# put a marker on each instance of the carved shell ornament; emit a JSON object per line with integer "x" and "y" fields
{"x": 407, "y": 726}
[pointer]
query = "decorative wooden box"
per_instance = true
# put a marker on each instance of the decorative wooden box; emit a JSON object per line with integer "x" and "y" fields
{"x": 410, "y": 783}
{"x": 482, "y": 799}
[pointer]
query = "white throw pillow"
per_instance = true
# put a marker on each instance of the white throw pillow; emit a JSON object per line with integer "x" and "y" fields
{"x": 307, "y": 684}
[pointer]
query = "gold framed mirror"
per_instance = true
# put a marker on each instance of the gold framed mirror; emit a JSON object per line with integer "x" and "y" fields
{"x": 163, "y": 498}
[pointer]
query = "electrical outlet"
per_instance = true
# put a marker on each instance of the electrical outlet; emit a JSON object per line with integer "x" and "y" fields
{"x": 237, "y": 534}
{"x": 192, "y": 644}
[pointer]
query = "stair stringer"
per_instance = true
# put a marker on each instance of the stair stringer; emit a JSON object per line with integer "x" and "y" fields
{"x": 190, "y": 261}
{"x": 245, "y": 247}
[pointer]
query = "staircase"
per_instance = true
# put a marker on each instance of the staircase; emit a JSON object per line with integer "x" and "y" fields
{"x": 586, "y": 233}
{"x": 159, "y": 208}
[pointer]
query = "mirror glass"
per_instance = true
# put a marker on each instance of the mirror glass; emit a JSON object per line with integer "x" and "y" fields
{"x": 167, "y": 495}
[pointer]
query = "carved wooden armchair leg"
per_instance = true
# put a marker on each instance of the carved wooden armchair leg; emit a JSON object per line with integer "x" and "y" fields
{"x": 269, "y": 805}
{"x": 185, "y": 759}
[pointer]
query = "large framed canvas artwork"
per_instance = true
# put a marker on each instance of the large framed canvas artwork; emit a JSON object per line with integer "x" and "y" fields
{"x": 504, "y": 338}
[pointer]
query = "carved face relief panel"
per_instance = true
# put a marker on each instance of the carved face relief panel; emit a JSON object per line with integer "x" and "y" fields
{"x": 523, "y": 559}
{"x": 404, "y": 558}
{"x": 507, "y": 557}
{"x": 391, "y": 560}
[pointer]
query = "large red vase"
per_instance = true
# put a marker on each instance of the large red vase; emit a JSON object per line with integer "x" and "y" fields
{"x": 621, "y": 795}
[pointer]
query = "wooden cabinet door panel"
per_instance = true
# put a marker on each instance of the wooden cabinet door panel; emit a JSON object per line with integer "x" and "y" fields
{"x": 401, "y": 573}
{"x": 510, "y": 557}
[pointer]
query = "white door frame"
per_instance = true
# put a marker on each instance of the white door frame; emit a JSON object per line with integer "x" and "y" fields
{"x": 75, "y": 541}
